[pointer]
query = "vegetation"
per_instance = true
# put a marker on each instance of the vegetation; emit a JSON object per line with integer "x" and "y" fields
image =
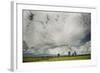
{"x": 56, "y": 58}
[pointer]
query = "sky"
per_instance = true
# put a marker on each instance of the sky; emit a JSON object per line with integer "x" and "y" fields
{"x": 45, "y": 29}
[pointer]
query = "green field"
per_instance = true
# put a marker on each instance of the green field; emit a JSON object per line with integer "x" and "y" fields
{"x": 56, "y": 58}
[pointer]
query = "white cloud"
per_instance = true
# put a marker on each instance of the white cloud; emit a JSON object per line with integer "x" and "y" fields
{"x": 54, "y": 28}
{"x": 62, "y": 50}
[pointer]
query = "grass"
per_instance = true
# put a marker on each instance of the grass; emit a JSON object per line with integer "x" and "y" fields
{"x": 56, "y": 58}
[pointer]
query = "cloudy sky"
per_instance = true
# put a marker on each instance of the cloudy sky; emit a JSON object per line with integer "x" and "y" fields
{"x": 44, "y": 29}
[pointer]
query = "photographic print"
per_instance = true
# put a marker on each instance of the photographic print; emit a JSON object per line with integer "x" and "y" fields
{"x": 52, "y": 36}
{"x": 55, "y": 35}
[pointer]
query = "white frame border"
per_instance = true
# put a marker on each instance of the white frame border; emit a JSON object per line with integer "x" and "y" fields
{"x": 16, "y": 59}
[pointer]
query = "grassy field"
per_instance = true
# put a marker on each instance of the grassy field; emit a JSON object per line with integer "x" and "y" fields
{"x": 56, "y": 58}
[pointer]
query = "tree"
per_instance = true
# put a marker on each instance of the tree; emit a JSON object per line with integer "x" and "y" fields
{"x": 58, "y": 54}
{"x": 75, "y": 53}
{"x": 69, "y": 53}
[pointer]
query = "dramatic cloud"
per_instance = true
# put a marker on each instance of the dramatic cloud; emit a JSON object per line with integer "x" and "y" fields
{"x": 62, "y": 50}
{"x": 48, "y": 30}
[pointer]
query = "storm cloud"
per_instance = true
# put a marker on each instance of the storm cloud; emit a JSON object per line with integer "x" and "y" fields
{"x": 48, "y": 30}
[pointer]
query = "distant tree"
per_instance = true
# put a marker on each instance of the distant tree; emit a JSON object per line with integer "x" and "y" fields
{"x": 75, "y": 53}
{"x": 58, "y": 54}
{"x": 69, "y": 53}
